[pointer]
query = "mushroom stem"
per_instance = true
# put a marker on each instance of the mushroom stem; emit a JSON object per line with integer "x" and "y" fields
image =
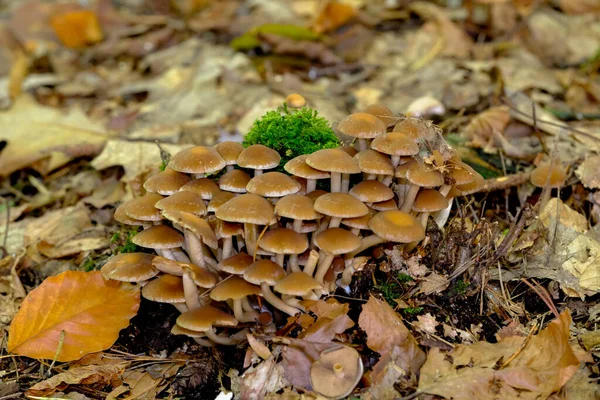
{"x": 336, "y": 182}
{"x": 323, "y": 267}
{"x": 258, "y": 172}
{"x": 365, "y": 243}
{"x": 190, "y": 291}
{"x": 227, "y": 341}
{"x": 323, "y": 224}
{"x": 423, "y": 219}
{"x": 246, "y": 306}
{"x": 395, "y": 161}
{"x": 230, "y": 168}
{"x": 239, "y": 313}
{"x": 204, "y": 342}
{"x": 293, "y": 263}
{"x": 180, "y": 255}
{"x": 239, "y": 243}
{"x": 410, "y": 198}
{"x": 445, "y": 189}
{"x": 297, "y": 226}
{"x": 250, "y": 236}
{"x": 166, "y": 253}
{"x": 355, "y": 231}
{"x": 194, "y": 248}
{"x": 311, "y": 263}
{"x": 181, "y": 307}
{"x": 370, "y": 177}
{"x": 387, "y": 180}
{"x": 546, "y": 192}
{"x": 361, "y": 144}
{"x": 279, "y": 259}
{"x": 347, "y": 273}
{"x": 345, "y": 183}
{"x": 293, "y": 301}
{"x": 276, "y": 301}
{"x": 311, "y": 185}
{"x": 227, "y": 248}
{"x": 335, "y": 222}
{"x": 442, "y": 216}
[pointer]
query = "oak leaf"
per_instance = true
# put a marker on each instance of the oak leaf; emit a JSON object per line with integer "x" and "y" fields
{"x": 89, "y": 310}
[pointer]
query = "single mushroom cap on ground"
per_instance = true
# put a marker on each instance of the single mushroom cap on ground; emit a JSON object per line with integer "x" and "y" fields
{"x": 383, "y": 113}
{"x": 266, "y": 273}
{"x": 373, "y": 163}
{"x": 229, "y": 151}
{"x": 204, "y": 187}
{"x": 236, "y": 288}
{"x": 385, "y": 205}
{"x": 333, "y": 241}
{"x": 129, "y": 267}
{"x": 234, "y": 181}
{"x": 258, "y": 158}
{"x": 197, "y": 160}
{"x": 339, "y": 206}
{"x": 336, "y": 162}
{"x": 362, "y": 126}
{"x": 282, "y": 242}
{"x": 297, "y": 207}
{"x": 295, "y": 100}
{"x": 143, "y": 208}
{"x": 337, "y": 372}
{"x": 273, "y": 184}
{"x": 553, "y": 174}
{"x": 166, "y": 182}
{"x": 371, "y": 192}
{"x": 204, "y": 318}
{"x": 188, "y": 202}
{"x": 297, "y": 166}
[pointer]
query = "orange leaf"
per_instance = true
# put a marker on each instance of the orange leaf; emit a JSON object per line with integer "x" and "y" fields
{"x": 90, "y": 310}
{"x": 332, "y": 16}
{"x": 77, "y": 28}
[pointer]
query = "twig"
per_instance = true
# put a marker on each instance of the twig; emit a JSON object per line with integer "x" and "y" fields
{"x": 513, "y": 232}
{"x": 522, "y": 347}
{"x": 6, "y": 225}
{"x": 544, "y": 295}
{"x": 58, "y": 350}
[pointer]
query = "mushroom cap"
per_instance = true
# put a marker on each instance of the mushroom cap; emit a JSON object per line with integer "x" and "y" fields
{"x": 385, "y": 205}
{"x": 234, "y": 181}
{"x": 424, "y": 176}
{"x": 224, "y": 229}
{"x": 229, "y": 151}
{"x": 296, "y": 284}
{"x": 415, "y": 128}
{"x": 395, "y": 144}
{"x": 204, "y": 187}
{"x": 264, "y": 271}
{"x": 188, "y": 202}
{"x": 201, "y": 277}
{"x": 340, "y": 205}
{"x": 203, "y": 318}
{"x": 337, "y": 241}
{"x": 372, "y": 162}
{"x": 307, "y": 226}
{"x": 198, "y": 160}
{"x": 359, "y": 222}
{"x": 315, "y": 194}
{"x": 166, "y": 182}
{"x": 198, "y": 226}
{"x": 247, "y": 208}
{"x": 167, "y": 266}
{"x": 429, "y": 200}
{"x": 383, "y": 113}
{"x": 120, "y": 215}
{"x": 219, "y": 198}
{"x": 258, "y": 156}
{"x": 233, "y": 288}
{"x": 471, "y": 187}
{"x": 283, "y": 241}
{"x": 349, "y": 149}
{"x": 295, "y": 100}
{"x": 296, "y": 206}
{"x": 297, "y": 166}
{"x": 362, "y": 125}
{"x": 178, "y": 330}
{"x": 129, "y": 267}
{"x": 142, "y": 208}
{"x": 337, "y": 372}
{"x": 273, "y": 184}
{"x": 553, "y": 173}
{"x": 159, "y": 237}
{"x": 165, "y": 289}
{"x": 371, "y": 191}
{"x": 236, "y": 264}
{"x": 460, "y": 174}
{"x": 333, "y": 160}
{"x": 397, "y": 226}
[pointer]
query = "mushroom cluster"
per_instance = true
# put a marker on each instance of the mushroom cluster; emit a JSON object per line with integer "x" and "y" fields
{"x": 235, "y": 242}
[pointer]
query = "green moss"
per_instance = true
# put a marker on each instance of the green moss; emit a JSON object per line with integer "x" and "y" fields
{"x": 292, "y": 132}
{"x": 404, "y": 278}
{"x": 413, "y": 310}
{"x": 88, "y": 265}
{"x": 122, "y": 240}
{"x": 460, "y": 287}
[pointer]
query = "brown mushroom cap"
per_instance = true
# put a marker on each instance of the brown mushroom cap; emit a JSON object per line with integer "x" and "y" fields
{"x": 424, "y": 176}
{"x": 143, "y": 209}
{"x": 159, "y": 237}
{"x": 429, "y": 200}
{"x": 337, "y": 372}
{"x": 337, "y": 241}
{"x": 359, "y": 222}
{"x": 273, "y": 184}
{"x": 129, "y": 267}
{"x": 120, "y": 215}
{"x": 296, "y": 284}
{"x": 395, "y": 144}
{"x": 178, "y": 330}
{"x": 350, "y": 150}
{"x": 460, "y": 174}
{"x": 198, "y": 160}
{"x": 295, "y": 100}
{"x": 371, "y": 191}
{"x": 236, "y": 264}
{"x": 553, "y": 173}
{"x": 340, "y": 205}
{"x": 233, "y": 288}
{"x": 415, "y": 128}
{"x": 297, "y": 166}
{"x": 471, "y": 187}
{"x": 362, "y": 125}
{"x": 247, "y": 208}
{"x": 283, "y": 241}
{"x": 397, "y": 226}
{"x": 195, "y": 224}
{"x": 264, "y": 271}
{"x": 166, "y": 182}
{"x": 188, "y": 202}
{"x": 203, "y": 318}
{"x": 204, "y": 187}
{"x": 165, "y": 289}
{"x": 296, "y": 206}
{"x": 218, "y": 200}
{"x": 333, "y": 160}
{"x": 234, "y": 181}
{"x": 372, "y": 162}
{"x": 229, "y": 151}
{"x": 167, "y": 266}
{"x": 315, "y": 194}
{"x": 200, "y": 276}
{"x": 258, "y": 156}
{"x": 385, "y": 205}
{"x": 383, "y": 113}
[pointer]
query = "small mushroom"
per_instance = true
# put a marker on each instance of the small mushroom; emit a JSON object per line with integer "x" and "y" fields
{"x": 258, "y": 158}
{"x": 204, "y": 187}
{"x": 297, "y": 284}
{"x": 420, "y": 175}
{"x": 230, "y": 151}
{"x": 371, "y": 192}
{"x": 362, "y": 126}
{"x": 339, "y": 206}
{"x": 166, "y": 182}
{"x": 297, "y": 166}
{"x": 129, "y": 267}
{"x": 273, "y": 184}
{"x": 337, "y": 372}
{"x": 298, "y": 208}
{"x": 200, "y": 161}
{"x": 428, "y": 201}
{"x": 166, "y": 289}
{"x": 374, "y": 164}
{"x": 204, "y": 319}
{"x": 333, "y": 242}
{"x": 295, "y": 100}
{"x": 234, "y": 181}
{"x": 188, "y": 202}
{"x": 338, "y": 163}
{"x": 266, "y": 273}
{"x": 548, "y": 176}
{"x": 143, "y": 208}
{"x": 383, "y": 113}
{"x": 236, "y": 289}
{"x": 164, "y": 239}
{"x": 284, "y": 242}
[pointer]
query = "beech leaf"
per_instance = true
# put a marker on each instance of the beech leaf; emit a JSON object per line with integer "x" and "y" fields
{"x": 90, "y": 311}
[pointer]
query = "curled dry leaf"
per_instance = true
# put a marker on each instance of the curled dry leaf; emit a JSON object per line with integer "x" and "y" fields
{"x": 481, "y": 130}
{"x": 532, "y": 371}
{"x": 589, "y": 172}
{"x": 89, "y": 310}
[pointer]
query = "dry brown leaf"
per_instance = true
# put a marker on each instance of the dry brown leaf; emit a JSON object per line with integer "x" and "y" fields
{"x": 297, "y": 358}
{"x": 471, "y": 372}
{"x": 480, "y": 130}
{"x": 83, "y": 308}
{"x": 589, "y": 172}
{"x": 557, "y": 211}
{"x": 332, "y": 319}
{"x": 289, "y": 47}
{"x": 333, "y": 15}
{"x": 433, "y": 283}
{"x": 266, "y": 377}
{"x": 91, "y": 239}
{"x": 426, "y": 324}
{"x": 580, "y": 6}
{"x": 259, "y": 348}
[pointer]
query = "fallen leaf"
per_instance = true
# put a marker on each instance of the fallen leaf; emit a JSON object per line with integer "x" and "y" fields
{"x": 284, "y": 46}
{"x": 579, "y": 6}
{"x": 259, "y": 348}
{"x": 426, "y": 324}
{"x": 266, "y": 377}
{"x": 77, "y": 29}
{"x": 480, "y": 131}
{"x": 589, "y": 172}
{"x": 433, "y": 283}
{"x": 333, "y": 15}
{"x": 473, "y": 372}
{"x": 555, "y": 211}
{"x": 89, "y": 310}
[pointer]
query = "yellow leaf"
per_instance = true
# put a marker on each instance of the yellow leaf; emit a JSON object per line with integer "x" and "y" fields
{"x": 90, "y": 310}
{"x": 77, "y": 28}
